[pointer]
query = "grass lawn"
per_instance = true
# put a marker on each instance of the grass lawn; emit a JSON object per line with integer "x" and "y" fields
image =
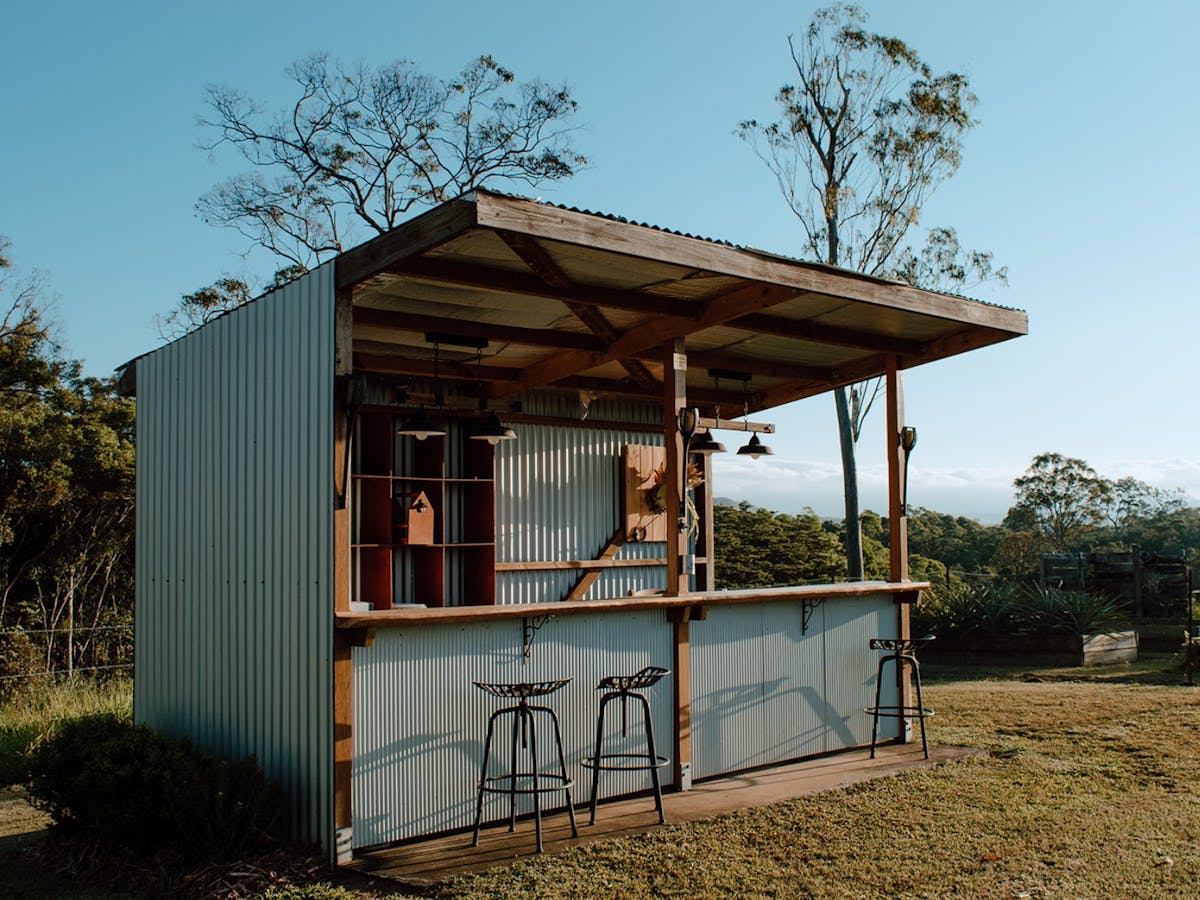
{"x": 1089, "y": 789}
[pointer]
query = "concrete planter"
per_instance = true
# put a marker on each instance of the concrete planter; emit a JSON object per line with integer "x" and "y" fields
{"x": 1039, "y": 650}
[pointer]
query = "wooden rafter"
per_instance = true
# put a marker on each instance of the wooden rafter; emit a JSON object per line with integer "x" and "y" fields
{"x": 716, "y": 311}
{"x": 541, "y": 264}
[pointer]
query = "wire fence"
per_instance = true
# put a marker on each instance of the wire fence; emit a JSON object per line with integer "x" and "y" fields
{"x": 118, "y": 652}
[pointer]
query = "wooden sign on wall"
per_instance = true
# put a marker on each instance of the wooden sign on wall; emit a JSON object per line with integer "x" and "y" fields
{"x": 645, "y": 519}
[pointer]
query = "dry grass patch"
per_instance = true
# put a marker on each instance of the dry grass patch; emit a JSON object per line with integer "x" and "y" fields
{"x": 1091, "y": 790}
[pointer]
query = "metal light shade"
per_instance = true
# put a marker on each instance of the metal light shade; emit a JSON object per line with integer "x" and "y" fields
{"x": 494, "y": 431}
{"x": 908, "y": 438}
{"x": 755, "y": 448}
{"x": 706, "y": 445}
{"x": 421, "y": 426}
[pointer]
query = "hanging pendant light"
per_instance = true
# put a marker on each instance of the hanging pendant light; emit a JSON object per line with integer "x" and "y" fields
{"x": 494, "y": 431}
{"x": 421, "y": 426}
{"x": 706, "y": 445}
{"x": 755, "y": 448}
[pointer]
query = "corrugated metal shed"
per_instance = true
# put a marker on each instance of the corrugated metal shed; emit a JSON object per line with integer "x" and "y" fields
{"x": 234, "y": 631}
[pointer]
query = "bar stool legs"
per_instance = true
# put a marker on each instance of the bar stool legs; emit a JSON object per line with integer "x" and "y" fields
{"x": 524, "y": 733}
{"x": 621, "y": 687}
{"x": 903, "y": 653}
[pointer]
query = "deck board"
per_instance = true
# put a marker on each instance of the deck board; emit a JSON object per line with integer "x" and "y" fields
{"x": 428, "y": 862}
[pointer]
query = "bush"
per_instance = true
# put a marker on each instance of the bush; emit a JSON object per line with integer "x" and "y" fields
{"x": 141, "y": 789}
{"x": 22, "y": 664}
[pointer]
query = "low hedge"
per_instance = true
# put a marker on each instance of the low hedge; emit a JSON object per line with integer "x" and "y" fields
{"x": 138, "y": 788}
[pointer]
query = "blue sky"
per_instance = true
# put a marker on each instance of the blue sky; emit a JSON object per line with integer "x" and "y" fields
{"x": 1080, "y": 178}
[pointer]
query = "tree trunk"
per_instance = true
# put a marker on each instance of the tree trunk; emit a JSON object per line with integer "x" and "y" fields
{"x": 854, "y": 553}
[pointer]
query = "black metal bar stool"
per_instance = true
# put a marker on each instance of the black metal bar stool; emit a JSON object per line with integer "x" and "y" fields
{"x": 624, "y": 687}
{"x": 903, "y": 651}
{"x": 524, "y": 731}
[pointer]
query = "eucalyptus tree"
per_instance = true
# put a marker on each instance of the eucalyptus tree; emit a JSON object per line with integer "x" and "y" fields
{"x": 360, "y": 148}
{"x": 865, "y": 134}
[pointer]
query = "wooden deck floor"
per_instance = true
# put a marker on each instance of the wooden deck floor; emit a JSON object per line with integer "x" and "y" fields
{"x": 427, "y": 862}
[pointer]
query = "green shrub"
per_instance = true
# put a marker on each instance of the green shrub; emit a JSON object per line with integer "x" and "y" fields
{"x": 22, "y": 665}
{"x": 141, "y": 789}
{"x": 35, "y": 713}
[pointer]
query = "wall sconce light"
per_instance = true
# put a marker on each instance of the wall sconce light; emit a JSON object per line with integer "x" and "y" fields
{"x": 908, "y": 440}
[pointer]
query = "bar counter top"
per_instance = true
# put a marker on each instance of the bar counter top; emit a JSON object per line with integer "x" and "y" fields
{"x": 402, "y": 616}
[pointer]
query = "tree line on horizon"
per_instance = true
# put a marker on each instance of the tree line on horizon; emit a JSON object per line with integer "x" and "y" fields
{"x": 1062, "y": 505}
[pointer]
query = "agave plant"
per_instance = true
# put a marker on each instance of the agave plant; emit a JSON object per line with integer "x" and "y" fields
{"x": 964, "y": 608}
{"x": 1051, "y": 609}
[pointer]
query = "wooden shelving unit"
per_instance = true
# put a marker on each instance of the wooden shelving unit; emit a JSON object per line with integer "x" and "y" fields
{"x": 456, "y": 476}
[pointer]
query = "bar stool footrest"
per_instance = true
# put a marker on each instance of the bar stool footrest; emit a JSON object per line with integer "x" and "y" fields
{"x": 644, "y": 763}
{"x": 555, "y": 783}
{"x": 895, "y": 712}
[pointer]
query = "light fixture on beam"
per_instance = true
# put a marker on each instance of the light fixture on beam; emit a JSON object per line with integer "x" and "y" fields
{"x": 755, "y": 448}
{"x": 494, "y": 431}
{"x": 707, "y": 445}
{"x": 421, "y": 426}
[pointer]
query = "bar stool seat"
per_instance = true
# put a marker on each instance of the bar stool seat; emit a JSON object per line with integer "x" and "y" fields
{"x": 624, "y": 688}
{"x": 515, "y": 781}
{"x": 902, "y": 652}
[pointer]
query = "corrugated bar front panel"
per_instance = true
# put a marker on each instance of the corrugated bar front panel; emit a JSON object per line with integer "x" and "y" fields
{"x": 419, "y": 721}
{"x": 235, "y": 541}
{"x": 764, "y": 692}
{"x": 558, "y": 497}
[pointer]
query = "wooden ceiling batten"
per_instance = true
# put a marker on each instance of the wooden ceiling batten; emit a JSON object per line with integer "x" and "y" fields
{"x": 751, "y": 366}
{"x": 392, "y": 364}
{"x": 807, "y": 330}
{"x": 504, "y": 281}
{"x": 533, "y": 337}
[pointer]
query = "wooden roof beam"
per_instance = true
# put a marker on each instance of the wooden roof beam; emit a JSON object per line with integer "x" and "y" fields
{"x": 503, "y": 281}
{"x": 412, "y": 238}
{"x": 539, "y": 261}
{"x": 530, "y": 337}
{"x": 718, "y": 310}
{"x": 807, "y": 330}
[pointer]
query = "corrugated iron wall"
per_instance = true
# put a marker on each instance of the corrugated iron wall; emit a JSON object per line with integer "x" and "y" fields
{"x": 419, "y": 722}
{"x": 235, "y": 541}
{"x": 763, "y": 691}
{"x": 558, "y": 497}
